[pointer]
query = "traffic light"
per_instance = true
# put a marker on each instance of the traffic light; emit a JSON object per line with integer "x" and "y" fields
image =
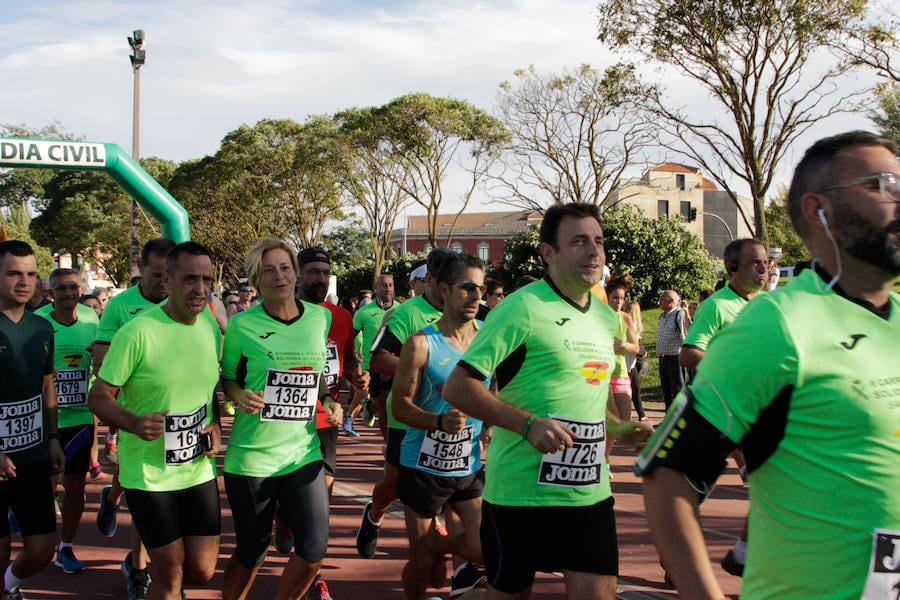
{"x": 692, "y": 215}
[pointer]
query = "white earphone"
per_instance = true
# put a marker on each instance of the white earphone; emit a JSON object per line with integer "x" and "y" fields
{"x": 822, "y": 218}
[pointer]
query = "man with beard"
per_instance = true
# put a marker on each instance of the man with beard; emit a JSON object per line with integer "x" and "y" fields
{"x": 814, "y": 402}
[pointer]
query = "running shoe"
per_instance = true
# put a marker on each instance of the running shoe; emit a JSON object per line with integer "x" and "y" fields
{"x": 137, "y": 581}
{"x": 731, "y": 565}
{"x": 368, "y": 415}
{"x": 284, "y": 537}
{"x": 347, "y": 426}
{"x": 13, "y": 594}
{"x": 106, "y": 515}
{"x": 367, "y": 536}
{"x": 318, "y": 590}
{"x": 65, "y": 559}
{"x": 467, "y": 577}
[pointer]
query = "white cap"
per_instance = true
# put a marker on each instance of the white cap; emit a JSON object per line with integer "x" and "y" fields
{"x": 419, "y": 272}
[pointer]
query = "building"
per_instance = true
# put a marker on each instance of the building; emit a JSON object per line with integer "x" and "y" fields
{"x": 480, "y": 234}
{"x": 671, "y": 189}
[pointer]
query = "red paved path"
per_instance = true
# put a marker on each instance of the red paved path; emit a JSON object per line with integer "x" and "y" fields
{"x": 352, "y": 578}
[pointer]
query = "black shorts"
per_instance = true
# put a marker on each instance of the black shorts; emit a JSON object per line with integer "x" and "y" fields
{"x": 328, "y": 437}
{"x": 426, "y": 494}
{"x": 164, "y": 517}
{"x": 76, "y": 442}
{"x": 518, "y": 541}
{"x": 302, "y": 499}
{"x": 29, "y": 495}
{"x": 392, "y": 448}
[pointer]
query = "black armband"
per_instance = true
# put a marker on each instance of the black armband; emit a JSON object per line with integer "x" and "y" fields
{"x": 685, "y": 441}
{"x": 472, "y": 371}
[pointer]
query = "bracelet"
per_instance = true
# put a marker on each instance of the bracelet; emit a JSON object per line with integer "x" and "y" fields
{"x": 440, "y": 422}
{"x": 528, "y": 424}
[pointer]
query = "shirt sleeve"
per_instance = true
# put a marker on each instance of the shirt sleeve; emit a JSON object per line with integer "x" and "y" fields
{"x": 508, "y": 327}
{"x": 231, "y": 353}
{"x": 125, "y": 352}
{"x": 707, "y": 322}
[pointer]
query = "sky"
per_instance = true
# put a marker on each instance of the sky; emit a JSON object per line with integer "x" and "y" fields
{"x": 213, "y": 65}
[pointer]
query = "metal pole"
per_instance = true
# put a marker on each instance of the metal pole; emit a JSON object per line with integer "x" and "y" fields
{"x": 138, "y": 55}
{"x": 727, "y": 228}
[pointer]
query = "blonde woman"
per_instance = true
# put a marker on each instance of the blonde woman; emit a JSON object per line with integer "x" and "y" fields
{"x": 625, "y": 344}
{"x": 636, "y": 363}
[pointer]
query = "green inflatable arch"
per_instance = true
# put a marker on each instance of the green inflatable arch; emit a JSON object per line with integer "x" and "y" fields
{"x": 53, "y": 154}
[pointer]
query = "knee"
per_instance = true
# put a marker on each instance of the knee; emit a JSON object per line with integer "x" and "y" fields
{"x": 195, "y": 574}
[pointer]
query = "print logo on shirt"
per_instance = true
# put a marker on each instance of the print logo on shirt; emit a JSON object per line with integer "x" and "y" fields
{"x": 135, "y": 311}
{"x": 594, "y": 372}
{"x": 853, "y": 341}
{"x": 563, "y": 321}
{"x": 267, "y": 335}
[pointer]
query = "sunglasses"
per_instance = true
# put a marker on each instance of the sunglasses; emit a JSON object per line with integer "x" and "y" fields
{"x": 498, "y": 294}
{"x": 246, "y": 290}
{"x": 470, "y": 286}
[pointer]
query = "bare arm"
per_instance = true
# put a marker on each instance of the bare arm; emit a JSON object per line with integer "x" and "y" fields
{"x": 413, "y": 360}
{"x": 674, "y": 517}
{"x": 102, "y": 402}
{"x": 690, "y": 357}
{"x": 97, "y": 355}
{"x": 631, "y": 344}
{"x": 384, "y": 362}
{"x": 48, "y": 393}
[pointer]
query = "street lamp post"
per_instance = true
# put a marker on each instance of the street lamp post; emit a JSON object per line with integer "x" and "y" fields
{"x": 727, "y": 228}
{"x": 138, "y": 56}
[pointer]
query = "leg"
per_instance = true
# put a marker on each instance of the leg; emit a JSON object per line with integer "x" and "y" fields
{"x": 384, "y": 493}
{"x": 422, "y": 554}
{"x": 493, "y": 594}
{"x": 168, "y": 571}
{"x": 72, "y": 506}
{"x": 304, "y": 497}
{"x": 587, "y": 586}
{"x": 252, "y": 502}
{"x": 636, "y": 393}
{"x": 37, "y": 550}
{"x": 296, "y": 578}
{"x": 201, "y": 555}
{"x": 238, "y": 580}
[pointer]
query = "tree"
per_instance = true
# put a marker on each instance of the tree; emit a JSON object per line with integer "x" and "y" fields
{"x": 781, "y": 231}
{"x": 887, "y": 118}
{"x": 657, "y": 253}
{"x": 572, "y": 135}
{"x": 15, "y": 221}
{"x": 520, "y": 257}
{"x": 348, "y": 246}
{"x": 759, "y": 63}
{"x": 23, "y": 186}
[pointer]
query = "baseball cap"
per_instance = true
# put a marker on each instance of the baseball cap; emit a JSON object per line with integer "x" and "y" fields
{"x": 418, "y": 273}
{"x": 313, "y": 254}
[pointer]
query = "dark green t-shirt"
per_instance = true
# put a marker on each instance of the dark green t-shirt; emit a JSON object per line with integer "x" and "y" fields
{"x": 26, "y": 356}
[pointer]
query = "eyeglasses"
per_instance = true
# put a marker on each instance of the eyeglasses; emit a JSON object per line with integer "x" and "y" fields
{"x": 66, "y": 288}
{"x": 319, "y": 272}
{"x": 470, "y": 286}
{"x": 246, "y": 290}
{"x": 498, "y": 294}
{"x": 888, "y": 185}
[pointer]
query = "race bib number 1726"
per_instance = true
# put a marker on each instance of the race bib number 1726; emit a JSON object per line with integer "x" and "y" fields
{"x": 578, "y": 466}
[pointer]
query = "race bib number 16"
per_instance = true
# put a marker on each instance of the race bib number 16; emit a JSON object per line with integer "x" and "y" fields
{"x": 290, "y": 395}
{"x": 182, "y": 436}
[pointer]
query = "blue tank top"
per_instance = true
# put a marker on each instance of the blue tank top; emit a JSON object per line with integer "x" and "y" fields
{"x": 436, "y": 452}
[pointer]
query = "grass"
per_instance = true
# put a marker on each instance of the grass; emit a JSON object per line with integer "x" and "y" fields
{"x": 650, "y": 388}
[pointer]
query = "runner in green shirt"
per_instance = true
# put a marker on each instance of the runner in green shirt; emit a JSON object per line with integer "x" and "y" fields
{"x": 273, "y": 372}
{"x": 814, "y": 402}
{"x": 547, "y": 502}
{"x": 30, "y": 450}
{"x": 74, "y": 331}
{"x": 166, "y": 365}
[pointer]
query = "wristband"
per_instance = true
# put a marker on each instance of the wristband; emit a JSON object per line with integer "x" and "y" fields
{"x": 440, "y": 422}
{"x": 54, "y": 436}
{"x": 528, "y": 424}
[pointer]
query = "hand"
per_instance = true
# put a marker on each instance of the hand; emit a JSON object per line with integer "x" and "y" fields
{"x": 215, "y": 432}
{"x": 453, "y": 421}
{"x": 150, "y": 426}
{"x": 57, "y": 456}
{"x": 487, "y": 434}
{"x": 549, "y": 435}
{"x": 630, "y": 432}
{"x": 617, "y": 346}
{"x": 250, "y": 402}
{"x": 334, "y": 411}
{"x": 7, "y": 467}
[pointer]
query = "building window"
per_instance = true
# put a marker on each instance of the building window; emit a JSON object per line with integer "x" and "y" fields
{"x": 662, "y": 208}
{"x": 679, "y": 182}
{"x": 456, "y": 247}
{"x": 484, "y": 251}
{"x": 685, "y": 210}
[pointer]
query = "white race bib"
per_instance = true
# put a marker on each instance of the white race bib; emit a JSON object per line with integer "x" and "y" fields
{"x": 582, "y": 464}
{"x": 883, "y": 580}
{"x": 290, "y": 396}
{"x": 71, "y": 387}
{"x": 332, "y": 370}
{"x": 182, "y": 436}
{"x": 448, "y": 453}
{"x": 21, "y": 424}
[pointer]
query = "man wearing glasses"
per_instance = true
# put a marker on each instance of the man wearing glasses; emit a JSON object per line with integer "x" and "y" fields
{"x": 814, "y": 402}
{"x": 494, "y": 293}
{"x": 244, "y": 301}
{"x": 74, "y": 330}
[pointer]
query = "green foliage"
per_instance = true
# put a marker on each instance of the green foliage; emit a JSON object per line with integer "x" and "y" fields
{"x": 520, "y": 257}
{"x": 887, "y": 116}
{"x": 348, "y": 246}
{"x": 359, "y": 276}
{"x": 658, "y": 254}
{"x": 781, "y": 231}
{"x": 16, "y": 220}
{"x": 25, "y": 185}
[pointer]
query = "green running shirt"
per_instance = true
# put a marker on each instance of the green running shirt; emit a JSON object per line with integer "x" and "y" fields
{"x": 73, "y": 366}
{"x": 162, "y": 365}
{"x": 289, "y": 357}
{"x": 552, "y": 359}
{"x": 714, "y": 313}
{"x": 823, "y": 372}
{"x": 120, "y": 309}
{"x": 367, "y": 321}
{"x": 408, "y": 318}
